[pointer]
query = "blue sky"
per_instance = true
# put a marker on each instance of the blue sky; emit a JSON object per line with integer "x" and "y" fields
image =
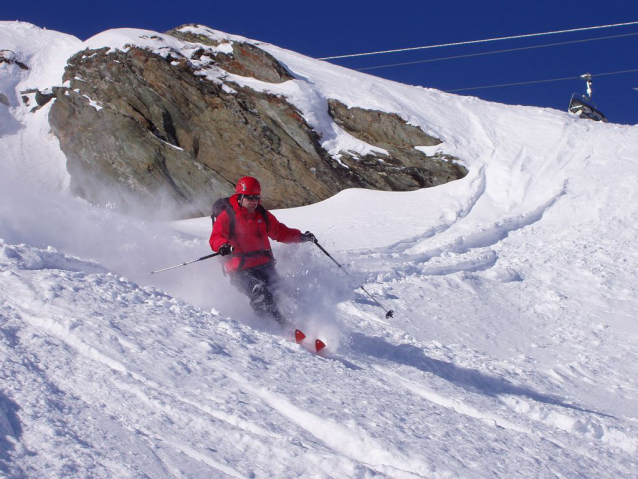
{"x": 320, "y": 29}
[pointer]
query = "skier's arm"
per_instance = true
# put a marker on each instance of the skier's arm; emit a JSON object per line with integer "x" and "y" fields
{"x": 220, "y": 233}
{"x": 280, "y": 232}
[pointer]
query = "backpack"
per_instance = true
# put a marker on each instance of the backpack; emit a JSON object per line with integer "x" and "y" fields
{"x": 223, "y": 204}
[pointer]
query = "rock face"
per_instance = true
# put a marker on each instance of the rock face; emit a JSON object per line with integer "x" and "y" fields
{"x": 153, "y": 132}
{"x": 405, "y": 168}
{"x": 246, "y": 59}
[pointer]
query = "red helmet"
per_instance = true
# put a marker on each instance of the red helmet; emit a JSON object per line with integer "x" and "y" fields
{"x": 248, "y": 186}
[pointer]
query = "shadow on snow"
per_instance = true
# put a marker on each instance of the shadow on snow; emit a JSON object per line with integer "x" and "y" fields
{"x": 467, "y": 379}
{"x": 9, "y": 427}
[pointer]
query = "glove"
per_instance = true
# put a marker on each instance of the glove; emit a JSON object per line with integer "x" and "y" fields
{"x": 225, "y": 249}
{"x": 308, "y": 236}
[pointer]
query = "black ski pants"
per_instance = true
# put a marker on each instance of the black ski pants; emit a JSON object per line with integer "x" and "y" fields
{"x": 258, "y": 284}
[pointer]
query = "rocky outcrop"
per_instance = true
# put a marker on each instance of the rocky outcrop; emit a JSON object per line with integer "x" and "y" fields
{"x": 41, "y": 97}
{"x": 404, "y": 168}
{"x": 156, "y": 130}
{"x": 150, "y": 131}
{"x": 10, "y": 57}
{"x": 245, "y": 60}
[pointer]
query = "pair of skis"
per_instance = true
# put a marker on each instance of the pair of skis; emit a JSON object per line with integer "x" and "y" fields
{"x": 300, "y": 337}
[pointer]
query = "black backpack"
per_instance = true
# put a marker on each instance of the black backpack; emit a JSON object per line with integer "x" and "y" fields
{"x": 223, "y": 204}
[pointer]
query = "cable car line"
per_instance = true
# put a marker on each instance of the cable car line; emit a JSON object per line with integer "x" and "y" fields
{"x": 540, "y": 81}
{"x": 494, "y": 52}
{"x": 513, "y": 37}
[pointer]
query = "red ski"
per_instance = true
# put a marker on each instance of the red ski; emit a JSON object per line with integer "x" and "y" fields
{"x": 299, "y": 339}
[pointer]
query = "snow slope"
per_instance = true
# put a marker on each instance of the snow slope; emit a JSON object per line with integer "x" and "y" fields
{"x": 25, "y": 159}
{"x": 512, "y": 352}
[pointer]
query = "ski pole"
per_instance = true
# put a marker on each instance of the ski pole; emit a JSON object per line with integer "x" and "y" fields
{"x": 183, "y": 264}
{"x": 388, "y": 312}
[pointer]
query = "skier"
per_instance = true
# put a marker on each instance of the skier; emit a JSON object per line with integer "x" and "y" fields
{"x": 241, "y": 232}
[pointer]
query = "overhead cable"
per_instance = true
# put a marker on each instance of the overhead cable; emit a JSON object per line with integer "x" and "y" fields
{"x": 513, "y": 37}
{"x": 539, "y": 81}
{"x": 494, "y": 52}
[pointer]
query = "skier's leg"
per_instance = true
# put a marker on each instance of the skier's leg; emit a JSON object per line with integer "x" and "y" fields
{"x": 263, "y": 303}
{"x": 263, "y": 298}
{"x": 257, "y": 284}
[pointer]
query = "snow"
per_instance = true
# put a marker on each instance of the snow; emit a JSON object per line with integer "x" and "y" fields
{"x": 512, "y": 353}
{"x": 30, "y": 154}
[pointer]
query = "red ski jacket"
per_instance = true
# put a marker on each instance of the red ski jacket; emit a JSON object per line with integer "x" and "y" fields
{"x": 250, "y": 243}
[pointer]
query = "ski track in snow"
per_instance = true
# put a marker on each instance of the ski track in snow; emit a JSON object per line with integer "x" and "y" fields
{"x": 512, "y": 352}
{"x": 159, "y": 391}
